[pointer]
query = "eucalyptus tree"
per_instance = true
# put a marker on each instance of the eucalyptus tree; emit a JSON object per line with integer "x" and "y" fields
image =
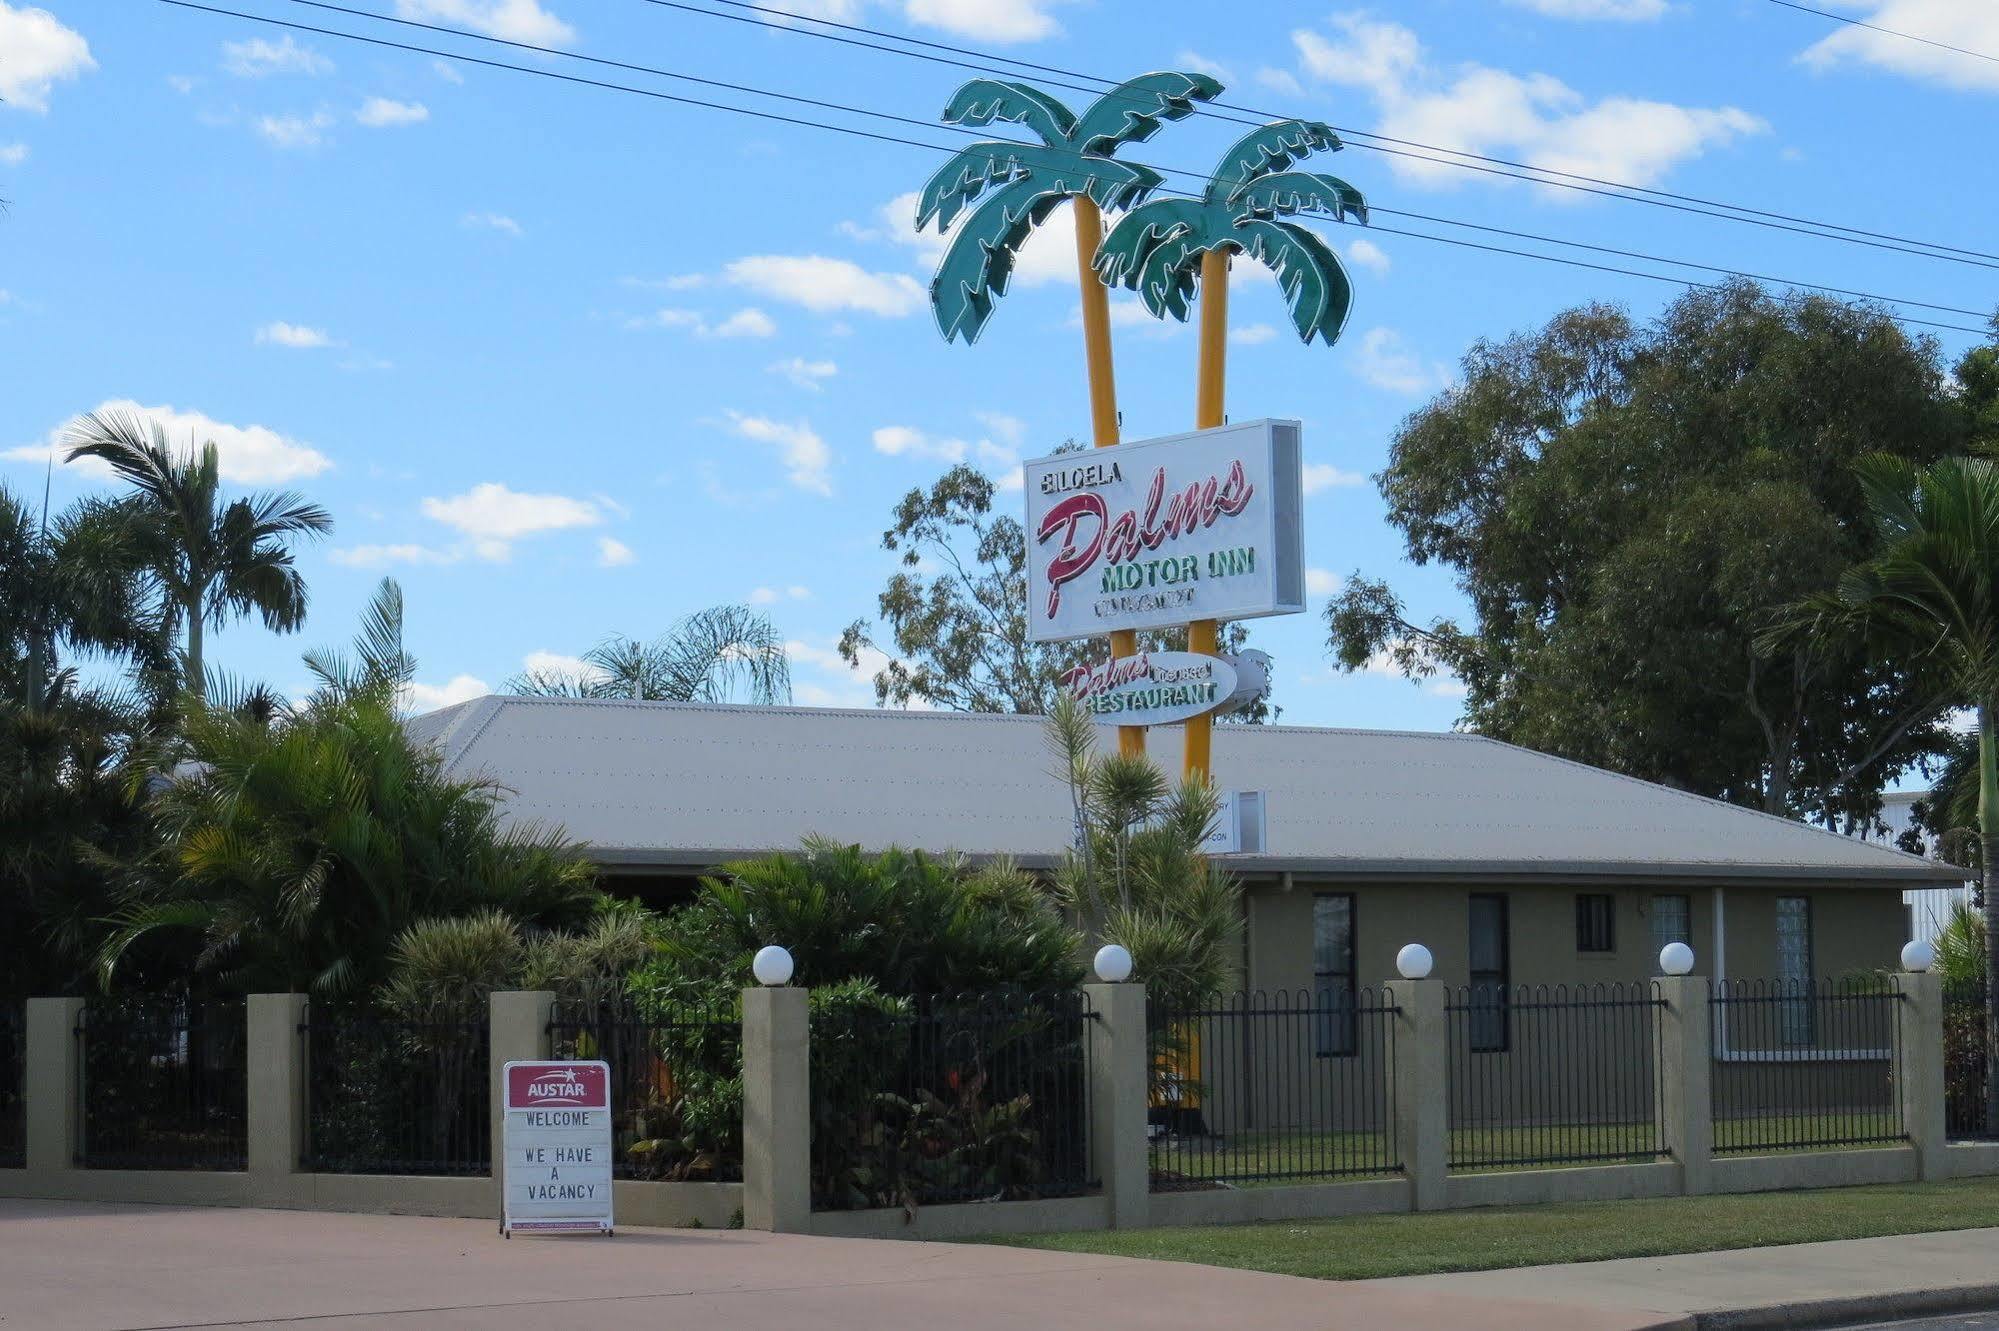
{"x": 212, "y": 559}
{"x": 721, "y": 654}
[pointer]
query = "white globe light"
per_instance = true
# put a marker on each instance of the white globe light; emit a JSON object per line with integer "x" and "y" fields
{"x": 1676, "y": 959}
{"x": 1113, "y": 964}
{"x": 1918, "y": 955}
{"x": 1413, "y": 962}
{"x": 772, "y": 965}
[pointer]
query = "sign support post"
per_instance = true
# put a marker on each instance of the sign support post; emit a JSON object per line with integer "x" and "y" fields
{"x": 1204, "y": 635}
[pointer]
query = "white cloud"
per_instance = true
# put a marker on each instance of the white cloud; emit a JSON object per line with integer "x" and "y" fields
{"x": 182, "y": 83}
{"x": 1200, "y": 64}
{"x": 387, "y": 556}
{"x": 514, "y": 20}
{"x": 613, "y": 553}
{"x": 1536, "y": 117}
{"x": 1250, "y": 335}
{"x": 1386, "y": 361}
{"x": 749, "y": 322}
{"x": 826, "y": 286}
{"x": 36, "y": 52}
{"x": 493, "y": 516}
{"x": 420, "y": 697}
{"x": 447, "y": 71}
{"x": 1622, "y": 11}
{"x": 297, "y": 336}
{"x": 492, "y": 222}
{"x": 1971, "y": 24}
{"x": 1319, "y": 476}
{"x": 258, "y": 58}
{"x": 1280, "y": 80}
{"x": 13, "y": 154}
{"x": 999, "y": 459}
{"x": 772, "y": 595}
{"x": 804, "y": 454}
{"x": 904, "y": 441}
{"x": 1368, "y": 255}
{"x": 804, "y": 373}
{"x": 382, "y": 113}
{"x": 1321, "y": 582}
{"x": 985, "y": 20}
{"x": 295, "y": 131}
{"x": 246, "y": 454}
{"x": 557, "y": 664}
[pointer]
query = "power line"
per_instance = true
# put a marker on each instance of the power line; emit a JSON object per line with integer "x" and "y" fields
{"x": 1548, "y": 176}
{"x": 886, "y": 138}
{"x": 1199, "y": 176}
{"x": 1886, "y": 32}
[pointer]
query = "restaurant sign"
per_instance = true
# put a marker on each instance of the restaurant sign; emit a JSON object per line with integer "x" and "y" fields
{"x": 1152, "y": 688}
{"x": 557, "y": 1144}
{"x": 1165, "y": 531}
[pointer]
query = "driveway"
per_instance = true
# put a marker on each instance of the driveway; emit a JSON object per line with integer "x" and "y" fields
{"x": 67, "y": 1265}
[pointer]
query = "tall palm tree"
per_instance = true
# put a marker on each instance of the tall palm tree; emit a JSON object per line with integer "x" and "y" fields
{"x": 213, "y": 559}
{"x": 71, "y": 583}
{"x": 1156, "y": 248}
{"x": 709, "y": 656}
{"x": 1932, "y": 591}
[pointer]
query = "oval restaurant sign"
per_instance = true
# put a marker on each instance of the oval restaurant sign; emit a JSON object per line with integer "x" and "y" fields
{"x": 557, "y": 1147}
{"x": 1152, "y": 688}
{"x": 1157, "y": 533}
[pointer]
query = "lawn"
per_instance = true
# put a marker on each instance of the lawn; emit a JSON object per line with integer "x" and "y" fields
{"x": 1362, "y": 1247}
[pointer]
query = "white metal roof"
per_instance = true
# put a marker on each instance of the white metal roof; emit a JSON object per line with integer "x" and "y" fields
{"x": 694, "y": 784}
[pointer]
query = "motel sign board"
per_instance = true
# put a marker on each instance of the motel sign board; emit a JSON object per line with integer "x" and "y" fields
{"x": 557, "y": 1141}
{"x": 1164, "y": 531}
{"x": 1152, "y": 688}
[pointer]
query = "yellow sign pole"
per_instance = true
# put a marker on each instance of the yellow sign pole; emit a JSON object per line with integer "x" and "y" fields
{"x": 1103, "y": 392}
{"x": 1203, "y": 634}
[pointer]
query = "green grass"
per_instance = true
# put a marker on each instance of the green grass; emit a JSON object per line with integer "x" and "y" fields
{"x": 1363, "y": 1247}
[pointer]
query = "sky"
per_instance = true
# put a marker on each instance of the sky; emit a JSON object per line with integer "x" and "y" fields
{"x": 568, "y": 362}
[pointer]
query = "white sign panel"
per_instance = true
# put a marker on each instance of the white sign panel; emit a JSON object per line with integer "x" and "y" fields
{"x": 557, "y": 1141}
{"x": 1161, "y": 532}
{"x": 1239, "y": 826}
{"x": 1152, "y": 688}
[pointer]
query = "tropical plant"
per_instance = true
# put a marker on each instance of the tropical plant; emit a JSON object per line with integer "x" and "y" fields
{"x": 210, "y": 559}
{"x": 1029, "y": 181}
{"x": 1156, "y": 249}
{"x": 709, "y": 656}
{"x": 67, "y": 586}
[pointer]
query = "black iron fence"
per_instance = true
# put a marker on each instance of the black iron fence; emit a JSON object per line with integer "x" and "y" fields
{"x": 1271, "y": 1087}
{"x": 1554, "y": 1075}
{"x": 165, "y": 1083}
{"x": 1803, "y": 1065}
{"x": 385, "y": 1095}
{"x": 946, "y": 1098}
{"x": 1966, "y": 1114}
{"x": 676, "y": 1083}
{"x": 13, "y": 1083}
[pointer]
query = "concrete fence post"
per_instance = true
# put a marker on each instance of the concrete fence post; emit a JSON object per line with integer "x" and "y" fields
{"x": 52, "y": 1081}
{"x": 1419, "y": 1093}
{"x": 1686, "y": 1079}
{"x": 1920, "y": 1088}
{"x": 777, "y": 1110}
{"x": 517, "y": 1028}
{"x": 1119, "y": 1062}
{"x": 277, "y": 1084}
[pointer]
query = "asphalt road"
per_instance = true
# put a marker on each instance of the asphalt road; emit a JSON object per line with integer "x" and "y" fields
{"x": 1988, "y": 1321}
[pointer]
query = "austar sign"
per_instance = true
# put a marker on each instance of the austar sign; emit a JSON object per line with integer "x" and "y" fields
{"x": 1157, "y": 533}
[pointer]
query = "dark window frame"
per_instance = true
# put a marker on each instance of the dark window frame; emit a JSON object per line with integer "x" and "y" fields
{"x": 1596, "y": 923}
{"x": 1335, "y": 1031}
{"x": 1490, "y": 1026}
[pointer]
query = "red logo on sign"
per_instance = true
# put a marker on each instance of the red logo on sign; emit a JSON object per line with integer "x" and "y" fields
{"x": 557, "y": 1085}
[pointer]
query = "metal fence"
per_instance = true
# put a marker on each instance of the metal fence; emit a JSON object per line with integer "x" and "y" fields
{"x": 385, "y": 1095}
{"x": 165, "y": 1083}
{"x": 1964, "y": 1062}
{"x": 1270, "y": 1087}
{"x": 13, "y": 1083}
{"x": 1802, "y": 1065}
{"x": 676, "y": 1084}
{"x": 1554, "y": 1075}
{"x": 945, "y": 1098}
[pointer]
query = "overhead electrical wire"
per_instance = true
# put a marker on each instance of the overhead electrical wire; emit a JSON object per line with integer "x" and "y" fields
{"x": 1886, "y": 32}
{"x": 788, "y": 21}
{"x": 657, "y": 95}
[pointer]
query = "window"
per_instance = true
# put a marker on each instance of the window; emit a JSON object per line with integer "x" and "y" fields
{"x": 1672, "y": 922}
{"x": 1596, "y": 922}
{"x": 1333, "y": 973}
{"x": 1489, "y": 973}
{"x": 1794, "y": 967}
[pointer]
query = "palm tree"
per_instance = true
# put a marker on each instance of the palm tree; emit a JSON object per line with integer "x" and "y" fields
{"x": 706, "y": 657}
{"x": 211, "y": 559}
{"x": 1931, "y": 592}
{"x": 1156, "y": 249}
{"x": 67, "y": 584}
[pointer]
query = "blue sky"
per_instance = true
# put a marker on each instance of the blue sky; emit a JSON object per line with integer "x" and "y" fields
{"x": 569, "y": 362}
